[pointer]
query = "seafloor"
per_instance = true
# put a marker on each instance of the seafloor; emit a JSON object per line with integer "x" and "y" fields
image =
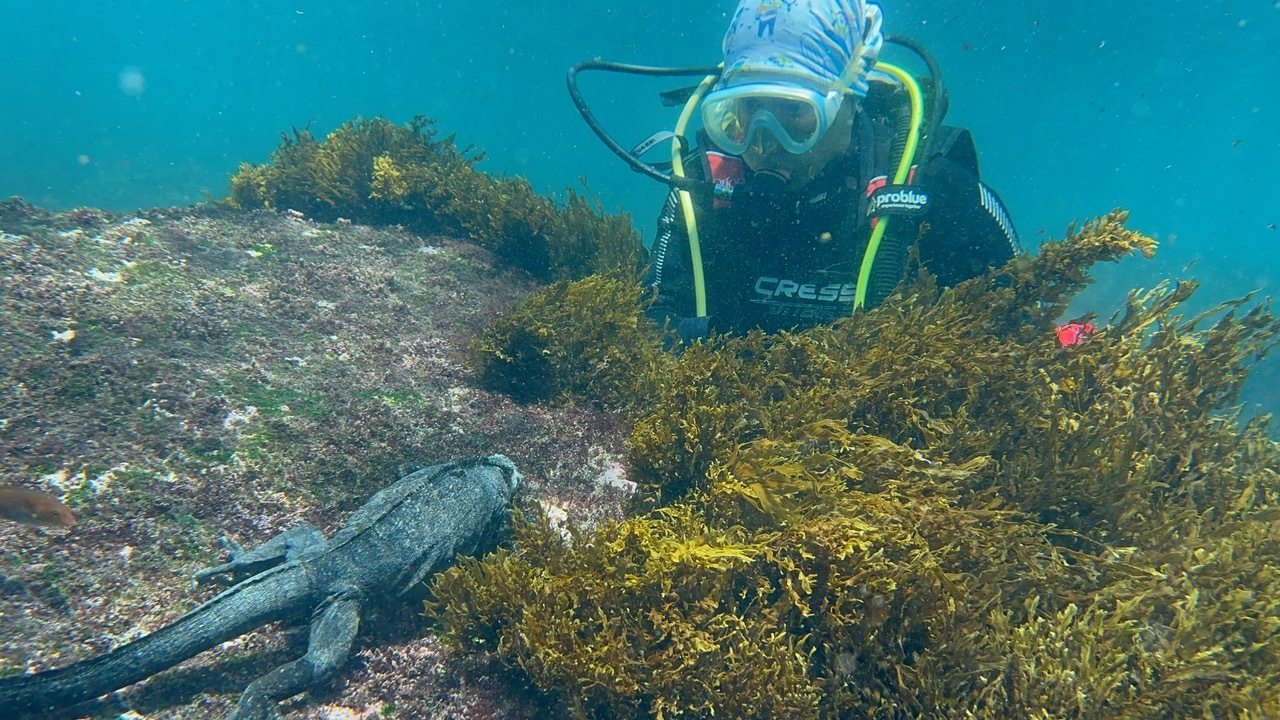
{"x": 181, "y": 375}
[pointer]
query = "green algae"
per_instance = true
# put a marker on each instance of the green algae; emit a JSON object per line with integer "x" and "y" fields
{"x": 929, "y": 510}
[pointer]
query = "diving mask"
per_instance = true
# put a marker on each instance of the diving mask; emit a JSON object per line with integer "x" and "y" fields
{"x": 737, "y": 117}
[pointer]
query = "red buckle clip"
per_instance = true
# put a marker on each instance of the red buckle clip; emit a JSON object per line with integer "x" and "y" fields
{"x": 1074, "y": 333}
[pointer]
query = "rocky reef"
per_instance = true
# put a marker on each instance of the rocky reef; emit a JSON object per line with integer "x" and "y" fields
{"x": 930, "y": 510}
{"x": 181, "y": 375}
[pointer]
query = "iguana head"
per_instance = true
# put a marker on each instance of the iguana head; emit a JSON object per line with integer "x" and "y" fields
{"x": 509, "y": 472}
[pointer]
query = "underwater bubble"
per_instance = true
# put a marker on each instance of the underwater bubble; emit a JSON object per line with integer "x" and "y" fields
{"x": 82, "y": 159}
{"x": 132, "y": 82}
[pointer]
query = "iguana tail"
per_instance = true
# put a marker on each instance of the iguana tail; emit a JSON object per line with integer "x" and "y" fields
{"x": 265, "y": 597}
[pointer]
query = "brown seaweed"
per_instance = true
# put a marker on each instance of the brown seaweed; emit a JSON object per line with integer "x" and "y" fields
{"x": 928, "y": 510}
{"x": 379, "y": 173}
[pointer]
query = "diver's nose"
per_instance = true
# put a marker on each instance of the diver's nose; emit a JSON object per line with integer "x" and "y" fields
{"x": 763, "y": 143}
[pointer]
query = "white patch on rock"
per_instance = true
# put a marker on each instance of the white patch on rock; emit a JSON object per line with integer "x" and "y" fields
{"x": 340, "y": 712}
{"x": 239, "y": 418}
{"x": 615, "y": 476}
{"x": 134, "y": 223}
{"x": 112, "y": 277}
{"x": 457, "y": 399}
{"x": 610, "y": 472}
{"x": 58, "y": 479}
{"x": 557, "y": 518}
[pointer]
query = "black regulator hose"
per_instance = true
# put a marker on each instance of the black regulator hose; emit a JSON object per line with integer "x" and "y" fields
{"x": 683, "y": 183}
{"x": 938, "y": 107}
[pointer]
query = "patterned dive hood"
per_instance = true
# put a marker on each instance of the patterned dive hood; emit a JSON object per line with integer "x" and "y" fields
{"x": 818, "y": 44}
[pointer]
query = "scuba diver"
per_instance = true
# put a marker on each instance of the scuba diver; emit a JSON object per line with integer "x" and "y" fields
{"x": 816, "y": 172}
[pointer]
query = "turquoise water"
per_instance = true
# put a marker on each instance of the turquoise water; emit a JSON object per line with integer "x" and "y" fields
{"x": 1169, "y": 109}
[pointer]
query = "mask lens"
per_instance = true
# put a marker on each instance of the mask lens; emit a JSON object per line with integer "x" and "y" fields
{"x": 727, "y": 123}
{"x": 798, "y": 120}
{"x": 736, "y": 120}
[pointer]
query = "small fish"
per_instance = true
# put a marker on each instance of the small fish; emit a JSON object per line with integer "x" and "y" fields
{"x": 32, "y": 507}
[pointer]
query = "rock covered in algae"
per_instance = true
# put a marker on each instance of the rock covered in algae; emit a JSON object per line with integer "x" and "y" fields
{"x": 929, "y": 510}
{"x": 180, "y": 375}
{"x": 379, "y": 173}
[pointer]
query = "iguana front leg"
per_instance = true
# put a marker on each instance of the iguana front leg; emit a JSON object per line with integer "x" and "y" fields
{"x": 288, "y": 545}
{"x": 333, "y": 631}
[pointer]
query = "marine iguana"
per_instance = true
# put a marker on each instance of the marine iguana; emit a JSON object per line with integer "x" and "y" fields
{"x": 402, "y": 535}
